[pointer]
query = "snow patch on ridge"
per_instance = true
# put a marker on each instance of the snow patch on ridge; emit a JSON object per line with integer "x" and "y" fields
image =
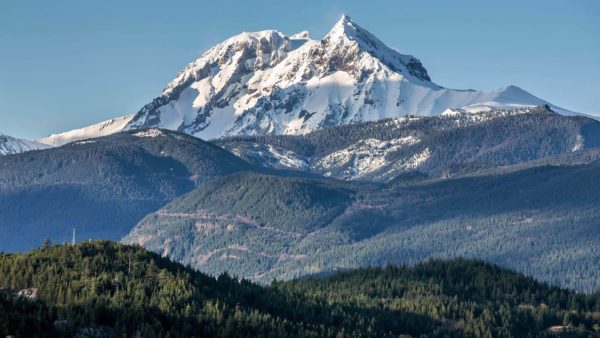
{"x": 97, "y": 130}
{"x": 152, "y": 133}
{"x": 84, "y": 142}
{"x": 367, "y": 156}
{"x": 288, "y": 158}
{"x": 414, "y": 161}
{"x": 578, "y": 143}
{"x": 271, "y": 156}
{"x": 10, "y": 145}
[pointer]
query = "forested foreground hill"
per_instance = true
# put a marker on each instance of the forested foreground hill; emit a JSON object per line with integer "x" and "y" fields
{"x": 105, "y": 289}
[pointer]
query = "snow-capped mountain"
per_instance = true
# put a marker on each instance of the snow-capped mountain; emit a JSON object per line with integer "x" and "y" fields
{"x": 11, "y": 145}
{"x": 269, "y": 83}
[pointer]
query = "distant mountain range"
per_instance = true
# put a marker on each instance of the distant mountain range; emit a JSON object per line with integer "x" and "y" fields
{"x": 515, "y": 187}
{"x": 321, "y": 155}
{"x": 268, "y": 83}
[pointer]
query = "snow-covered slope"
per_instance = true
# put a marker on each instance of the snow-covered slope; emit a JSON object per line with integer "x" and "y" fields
{"x": 97, "y": 130}
{"x": 268, "y": 83}
{"x": 10, "y": 145}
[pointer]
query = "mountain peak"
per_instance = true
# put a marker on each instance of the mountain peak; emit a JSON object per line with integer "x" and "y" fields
{"x": 347, "y": 35}
{"x": 344, "y": 21}
{"x": 345, "y": 27}
{"x": 345, "y": 18}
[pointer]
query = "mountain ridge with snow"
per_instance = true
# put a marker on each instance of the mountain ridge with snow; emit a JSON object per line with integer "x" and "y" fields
{"x": 454, "y": 143}
{"x": 11, "y": 145}
{"x": 265, "y": 82}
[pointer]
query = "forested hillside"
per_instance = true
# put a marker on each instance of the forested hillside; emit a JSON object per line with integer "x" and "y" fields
{"x": 539, "y": 218}
{"x": 102, "y": 186}
{"x": 242, "y": 223}
{"x": 104, "y": 289}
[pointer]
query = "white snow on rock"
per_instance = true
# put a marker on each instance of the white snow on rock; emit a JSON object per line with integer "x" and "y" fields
{"x": 414, "y": 161}
{"x": 287, "y": 158}
{"x": 84, "y": 142}
{"x": 578, "y": 143}
{"x": 97, "y": 130}
{"x": 152, "y": 133}
{"x": 10, "y": 145}
{"x": 463, "y": 117}
{"x": 273, "y": 157}
{"x": 368, "y": 156}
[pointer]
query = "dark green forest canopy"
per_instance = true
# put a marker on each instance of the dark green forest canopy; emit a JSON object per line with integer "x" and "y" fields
{"x": 102, "y": 186}
{"x": 117, "y": 290}
{"x": 539, "y": 218}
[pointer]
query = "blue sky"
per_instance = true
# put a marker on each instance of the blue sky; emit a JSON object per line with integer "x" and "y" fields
{"x": 67, "y": 64}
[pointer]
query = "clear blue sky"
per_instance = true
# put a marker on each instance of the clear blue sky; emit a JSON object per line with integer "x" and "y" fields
{"x": 67, "y": 64}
